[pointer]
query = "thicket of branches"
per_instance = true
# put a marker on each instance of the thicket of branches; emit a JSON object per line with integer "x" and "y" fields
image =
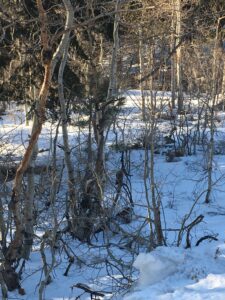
{"x": 64, "y": 58}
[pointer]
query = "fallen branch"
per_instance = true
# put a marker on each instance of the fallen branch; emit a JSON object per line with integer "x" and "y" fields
{"x": 94, "y": 294}
{"x": 206, "y": 237}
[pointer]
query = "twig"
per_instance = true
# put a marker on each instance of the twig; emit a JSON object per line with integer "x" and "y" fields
{"x": 206, "y": 237}
{"x": 190, "y": 226}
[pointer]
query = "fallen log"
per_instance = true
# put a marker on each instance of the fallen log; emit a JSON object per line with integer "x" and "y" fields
{"x": 94, "y": 294}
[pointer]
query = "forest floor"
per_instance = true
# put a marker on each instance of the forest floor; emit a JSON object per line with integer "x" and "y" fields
{"x": 106, "y": 264}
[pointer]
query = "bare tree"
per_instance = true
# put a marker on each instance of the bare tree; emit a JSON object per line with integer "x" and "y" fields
{"x": 216, "y": 70}
{"x": 49, "y": 61}
{"x": 71, "y": 205}
{"x": 177, "y": 7}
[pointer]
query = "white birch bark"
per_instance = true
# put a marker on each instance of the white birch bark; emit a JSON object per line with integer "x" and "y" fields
{"x": 112, "y": 92}
{"x": 217, "y": 54}
{"x": 113, "y": 87}
{"x": 173, "y": 58}
{"x": 67, "y": 151}
{"x": 141, "y": 67}
{"x": 179, "y": 56}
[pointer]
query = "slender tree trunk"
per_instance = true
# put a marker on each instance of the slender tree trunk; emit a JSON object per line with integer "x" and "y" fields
{"x": 179, "y": 56}
{"x": 28, "y": 219}
{"x": 3, "y": 228}
{"x": 173, "y": 59}
{"x": 147, "y": 196}
{"x": 218, "y": 66}
{"x": 217, "y": 53}
{"x": 112, "y": 92}
{"x": 223, "y": 81}
{"x": 210, "y": 156}
{"x": 4, "y": 290}
{"x": 94, "y": 185}
{"x": 101, "y": 52}
{"x": 113, "y": 84}
{"x": 15, "y": 247}
{"x": 223, "y": 70}
{"x": 90, "y": 156}
{"x": 67, "y": 150}
{"x": 156, "y": 201}
{"x": 141, "y": 66}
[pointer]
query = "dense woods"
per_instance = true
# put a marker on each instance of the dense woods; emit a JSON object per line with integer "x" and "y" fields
{"x": 69, "y": 175}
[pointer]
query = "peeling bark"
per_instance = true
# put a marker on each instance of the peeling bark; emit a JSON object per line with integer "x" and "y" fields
{"x": 49, "y": 61}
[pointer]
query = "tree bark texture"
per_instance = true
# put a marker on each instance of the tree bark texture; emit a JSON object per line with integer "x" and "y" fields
{"x": 179, "y": 56}
{"x": 112, "y": 90}
{"x": 49, "y": 62}
{"x": 216, "y": 67}
{"x": 67, "y": 152}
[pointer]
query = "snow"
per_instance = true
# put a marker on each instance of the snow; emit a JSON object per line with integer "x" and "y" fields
{"x": 157, "y": 265}
{"x": 196, "y": 273}
{"x": 165, "y": 273}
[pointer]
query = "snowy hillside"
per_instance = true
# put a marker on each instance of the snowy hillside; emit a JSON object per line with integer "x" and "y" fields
{"x": 170, "y": 272}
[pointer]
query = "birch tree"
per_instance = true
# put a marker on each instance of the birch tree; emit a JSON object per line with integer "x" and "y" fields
{"x": 93, "y": 196}
{"x": 71, "y": 205}
{"x": 216, "y": 72}
{"x": 179, "y": 55}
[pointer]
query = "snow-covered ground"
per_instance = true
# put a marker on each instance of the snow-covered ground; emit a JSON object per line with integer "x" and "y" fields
{"x": 167, "y": 272}
{"x": 176, "y": 273}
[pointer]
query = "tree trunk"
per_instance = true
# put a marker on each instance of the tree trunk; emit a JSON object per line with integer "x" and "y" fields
{"x": 217, "y": 54}
{"x": 91, "y": 204}
{"x": 112, "y": 92}
{"x": 179, "y": 56}
{"x": 67, "y": 151}
{"x": 113, "y": 87}
{"x": 223, "y": 82}
{"x": 156, "y": 201}
{"x": 15, "y": 247}
{"x": 173, "y": 59}
{"x": 218, "y": 62}
{"x": 141, "y": 66}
